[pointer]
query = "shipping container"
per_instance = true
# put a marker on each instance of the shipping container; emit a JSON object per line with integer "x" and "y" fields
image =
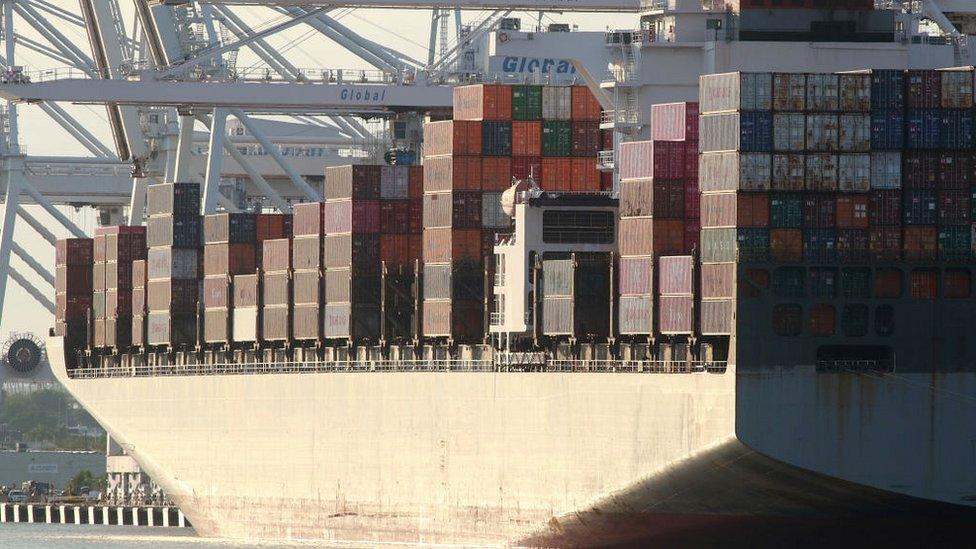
{"x": 442, "y": 245}
{"x": 822, "y": 132}
{"x": 496, "y": 173}
{"x": 735, "y": 171}
{"x": 636, "y": 275}
{"x": 451, "y": 137}
{"x": 785, "y": 210}
{"x": 957, "y": 129}
{"x": 276, "y": 323}
{"x": 483, "y": 102}
{"x": 753, "y": 285}
{"x": 359, "y": 250}
{"x": 344, "y": 216}
{"x": 585, "y": 105}
{"x": 923, "y": 129}
{"x": 676, "y": 314}
{"x": 458, "y": 320}
{"x": 853, "y": 245}
{"x": 954, "y": 207}
{"x": 789, "y": 92}
{"x": 276, "y": 288}
{"x": 177, "y": 296}
{"x": 526, "y": 102}
{"x": 557, "y": 174}
{"x": 525, "y": 166}
{"x": 173, "y": 330}
{"x": 585, "y": 138}
{"x": 819, "y": 211}
{"x": 635, "y": 315}
{"x": 72, "y": 307}
{"x": 955, "y": 170}
{"x": 183, "y": 231}
{"x": 216, "y": 292}
{"x": 98, "y": 276}
{"x": 73, "y": 279}
{"x": 557, "y": 138}
{"x": 887, "y": 89}
{"x": 584, "y": 176}
{"x": 789, "y": 282}
{"x": 822, "y": 320}
{"x": 306, "y": 287}
{"x": 956, "y": 284}
{"x": 306, "y": 324}
{"x": 920, "y": 208}
{"x": 737, "y": 91}
{"x": 920, "y": 243}
{"x": 395, "y": 217}
{"x": 245, "y": 322}
{"x": 823, "y": 282}
{"x": 460, "y": 210}
{"x": 446, "y": 173}
{"x": 786, "y": 245}
{"x": 854, "y": 133}
{"x": 216, "y": 326}
{"x": 822, "y": 172}
{"x": 923, "y": 284}
{"x": 885, "y": 243}
{"x": 557, "y": 103}
{"x": 852, "y": 211}
{"x": 527, "y": 138}
{"x": 125, "y": 244}
{"x": 349, "y": 181}
{"x": 923, "y": 89}
{"x": 229, "y": 259}
{"x": 957, "y": 89}
{"x": 856, "y": 283}
{"x": 234, "y": 228}
{"x": 788, "y": 172}
{"x": 493, "y": 216}
{"x": 74, "y": 251}
{"x": 887, "y": 283}
{"x": 820, "y": 246}
{"x": 787, "y": 319}
{"x": 855, "y": 92}
{"x": 729, "y": 245}
{"x": 718, "y": 280}
{"x": 166, "y": 262}
{"x": 887, "y": 129}
{"x": 246, "y": 290}
{"x": 717, "y": 316}
{"x": 675, "y": 275}
{"x": 734, "y": 210}
{"x": 272, "y": 226}
{"x": 395, "y": 182}
{"x": 648, "y": 236}
{"x": 181, "y": 199}
{"x": 955, "y": 243}
{"x": 742, "y": 131}
{"x": 460, "y": 281}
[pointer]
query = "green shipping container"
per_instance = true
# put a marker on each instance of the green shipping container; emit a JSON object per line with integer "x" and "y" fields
{"x": 557, "y": 138}
{"x": 526, "y": 102}
{"x": 785, "y": 211}
{"x": 856, "y": 283}
{"x": 955, "y": 243}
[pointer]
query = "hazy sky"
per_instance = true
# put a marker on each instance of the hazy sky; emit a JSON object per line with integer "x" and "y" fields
{"x": 404, "y": 30}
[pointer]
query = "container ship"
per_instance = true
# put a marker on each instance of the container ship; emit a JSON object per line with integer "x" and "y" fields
{"x": 756, "y": 332}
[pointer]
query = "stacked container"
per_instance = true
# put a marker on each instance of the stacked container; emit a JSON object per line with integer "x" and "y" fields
{"x": 115, "y": 248}
{"x": 675, "y": 299}
{"x": 659, "y": 208}
{"x": 372, "y": 218}
{"x": 173, "y": 264}
{"x": 246, "y": 290}
{"x": 74, "y": 261}
{"x": 306, "y": 297}
{"x": 576, "y": 295}
{"x": 230, "y": 248}
{"x": 140, "y": 273}
{"x": 275, "y": 285}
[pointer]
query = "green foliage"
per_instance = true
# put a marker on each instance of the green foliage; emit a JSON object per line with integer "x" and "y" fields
{"x": 44, "y": 416}
{"x": 85, "y": 478}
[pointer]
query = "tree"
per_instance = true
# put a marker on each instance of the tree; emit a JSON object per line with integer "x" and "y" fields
{"x": 85, "y": 478}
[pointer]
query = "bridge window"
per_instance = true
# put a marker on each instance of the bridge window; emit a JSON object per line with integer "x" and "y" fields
{"x": 577, "y": 227}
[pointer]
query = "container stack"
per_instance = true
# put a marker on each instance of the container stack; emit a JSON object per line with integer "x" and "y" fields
{"x": 140, "y": 273}
{"x": 229, "y": 249}
{"x": 659, "y": 208}
{"x": 275, "y": 282}
{"x": 373, "y": 241}
{"x": 306, "y": 297}
{"x": 247, "y": 298}
{"x": 173, "y": 264}
{"x": 115, "y": 248}
{"x": 74, "y": 262}
{"x": 675, "y": 300}
{"x": 576, "y": 296}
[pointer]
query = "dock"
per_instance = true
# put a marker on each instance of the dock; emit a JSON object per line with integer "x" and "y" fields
{"x": 44, "y": 513}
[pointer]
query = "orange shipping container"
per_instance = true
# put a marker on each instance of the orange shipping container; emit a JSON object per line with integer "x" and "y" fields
{"x": 445, "y": 244}
{"x": 585, "y": 106}
{"x": 526, "y": 138}
{"x": 887, "y": 283}
{"x": 786, "y": 245}
{"x": 557, "y": 174}
{"x": 735, "y": 210}
{"x": 447, "y": 173}
{"x": 852, "y": 211}
{"x": 496, "y": 173}
{"x": 395, "y": 249}
{"x": 584, "y": 175}
{"x": 649, "y": 236}
{"x": 454, "y": 137}
{"x": 921, "y": 243}
{"x": 822, "y": 318}
{"x": 483, "y": 102}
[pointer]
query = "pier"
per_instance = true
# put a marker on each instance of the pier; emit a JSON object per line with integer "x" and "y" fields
{"x": 44, "y": 513}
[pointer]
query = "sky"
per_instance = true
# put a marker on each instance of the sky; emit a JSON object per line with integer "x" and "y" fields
{"x": 405, "y": 30}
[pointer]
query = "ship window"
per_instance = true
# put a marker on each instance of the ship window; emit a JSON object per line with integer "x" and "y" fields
{"x": 957, "y": 284}
{"x": 787, "y": 319}
{"x": 854, "y": 320}
{"x": 884, "y": 320}
{"x": 577, "y": 227}
{"x": 789, "y": 282}
{"x": 855, "y": 358}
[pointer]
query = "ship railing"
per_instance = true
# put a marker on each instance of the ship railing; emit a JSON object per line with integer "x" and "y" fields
{"x": 433, "y": 365}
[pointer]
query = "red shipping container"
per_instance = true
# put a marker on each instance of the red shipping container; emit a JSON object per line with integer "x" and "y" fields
{"x": 557, "y": 174}
{"x": 887, "y": 283}
{"x": 923, "y": 89}
{"x": 351, "y": 181}
{"x": 394, "y": 216}
{"x": 852, "y": 211}
{"x": 452, "y": 137}
{"x": 523, "y": 166}
{"x": 717, "y": 280}
{"x": 395, "y": 250}
{"x": 692, "y": 198}
{"x": 585, "y": 106}
{"x": 308, "y": 218}
{"x": 735, "y": 210}
{"x": 606, "y": 182}
{"x": 675, "y": 314}
{"x": 461, "y": 320}
{"x": 460, "y": 210}
{"x": 955, "y": 170}
{"x": 921, "y": 243}
{"x": 606, "y": 140}
{"x": 920, "y": 170}
{"x": 527, "y": 138}
{"x": 72, "y": 307}
{"x": 73, "y": 279}
{"x": 648, "y": 236}
{"x": 668, "y": 199}
{"x": 691, "y": 161}
{"x": 229, "y": 259}
{"x": 924, "y": 284}
{"x": 636, "y": 275}
{"x": 884, "y": 207}
{"x": 584, "y": 175}
{"x": 483, "y": 102}
{"x": 445, "y": 173}
{"x": 675, "y": 121}
{"x": 496, "y": 173}
{"x": 415, "y": 181}
{"x": 74, "y": 251}
{"x": 276, "y": 255}
{"x": 675, "y": 275}
{"x": 786, "y": 245}
{"x": 443, "y": 245}
{"x": 585, "y": 138}
{"x": 954, "y": 207}
{"x": 416, "y": 216}
{"x": 884, "y": 243}
{"x": 272, "y": 226}
{"x": 819, "y": 211}
{"x": 345, "y": 216}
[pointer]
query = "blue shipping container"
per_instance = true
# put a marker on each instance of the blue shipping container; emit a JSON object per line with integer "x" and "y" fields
{"x": 923, "y": 129}
{"x": 887, "y": 89}
{"x": 496, "y": 138}
{"x": 820, "y": 245}
{"x": 756, "y": 131}
{"x": 887, "y": 130}
{"x": 920, "y": 208}
{"x": 957, "y": 129}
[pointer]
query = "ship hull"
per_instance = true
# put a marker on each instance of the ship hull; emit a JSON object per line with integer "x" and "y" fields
{"x": 555, "y": 459}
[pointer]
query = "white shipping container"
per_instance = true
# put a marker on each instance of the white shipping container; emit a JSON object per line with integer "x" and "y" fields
{"x": 822, "y": 92}
{"x": 854, "y": 133}
{"x": 731, "y": 171}
{"x": 736, "y": 91}
{"x": 855, "y": 92}
{"x": 635, "y": 314}
{"x": 789, "y": 132}
{"x": 492, "y": 215}
{"x": 394, "y": 182}
{"x": 854, "y": 172}
{"x": 177, "y": 263}
{"x": 822, "y": 132}
{"x": 957, "y": 89}
{"x": 557, "y": 103}
{"x": 821, "y": 172}
{"x": 789, "y": 172}
{"x": 245, "y": 324}
{"x": 886, "y": 170}
{"x": 789, "y": 92}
